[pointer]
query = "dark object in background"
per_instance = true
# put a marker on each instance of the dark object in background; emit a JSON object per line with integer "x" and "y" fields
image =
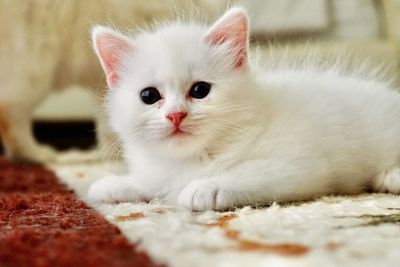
{"x": 65, "y": 135}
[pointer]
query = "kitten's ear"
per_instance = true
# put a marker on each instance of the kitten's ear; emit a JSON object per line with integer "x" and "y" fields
{"x": 110, "y": 47}
{"x": 232, "y": 27}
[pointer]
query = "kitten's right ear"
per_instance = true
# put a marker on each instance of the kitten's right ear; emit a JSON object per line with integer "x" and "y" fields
{"x": 232, "y": 27}
{"x": 110, "y": 47}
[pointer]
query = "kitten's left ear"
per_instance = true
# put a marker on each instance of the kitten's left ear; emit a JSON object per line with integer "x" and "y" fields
{"x": 232, "y": 27}
{"x": 111, "y": 47}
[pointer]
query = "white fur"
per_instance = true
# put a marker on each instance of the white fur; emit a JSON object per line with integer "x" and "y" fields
{"x": 259, "y": 136}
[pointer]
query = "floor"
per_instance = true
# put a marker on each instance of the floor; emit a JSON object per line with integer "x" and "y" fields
{"x": 359, "y": 230}
{"x": 43, "y": 223}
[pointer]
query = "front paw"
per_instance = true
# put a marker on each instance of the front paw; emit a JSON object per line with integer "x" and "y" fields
{"x": 113, "y": 189}
{"x": 200, "y": 195}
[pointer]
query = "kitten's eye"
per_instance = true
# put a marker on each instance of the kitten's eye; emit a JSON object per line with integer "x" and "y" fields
{"x": 199, "y": 90}
{"x": 150, "y": 95}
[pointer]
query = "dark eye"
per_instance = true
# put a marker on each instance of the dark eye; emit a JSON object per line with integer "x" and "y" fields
{"x": 150, "y": 95}
{"x": 199, "y": 90}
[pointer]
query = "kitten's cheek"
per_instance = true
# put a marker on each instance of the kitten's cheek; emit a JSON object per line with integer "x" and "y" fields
{"x": 200, "y": 195}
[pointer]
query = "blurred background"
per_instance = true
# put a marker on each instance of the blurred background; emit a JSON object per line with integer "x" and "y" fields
{"x": 368, "y": 28}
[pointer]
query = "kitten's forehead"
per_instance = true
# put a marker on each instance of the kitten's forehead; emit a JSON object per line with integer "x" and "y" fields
{"x": 172, "y": 51}
{"x": 174, "y": 33}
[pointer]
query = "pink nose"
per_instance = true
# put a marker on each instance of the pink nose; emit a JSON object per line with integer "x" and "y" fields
{"x": 176, "y": 117}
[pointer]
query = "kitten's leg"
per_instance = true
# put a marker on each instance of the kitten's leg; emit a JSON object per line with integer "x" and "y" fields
{"x": 16, "y": 131}
{"x": 254, "y": 182}
{"x": 388, "y": 181}
{"x": 115, "y": 189}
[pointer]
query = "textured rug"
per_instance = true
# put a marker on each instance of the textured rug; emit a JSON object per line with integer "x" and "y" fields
{"x": 43, "y": 223}
{"x": 360, "y": 230}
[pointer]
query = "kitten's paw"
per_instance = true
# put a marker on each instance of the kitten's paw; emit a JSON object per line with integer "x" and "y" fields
{"x": 113, "y": 189}
{"x": 200, "y": 195}
{"x": 388, "y": 181}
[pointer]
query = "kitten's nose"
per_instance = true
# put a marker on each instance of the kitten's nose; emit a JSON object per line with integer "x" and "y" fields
{"x": 176, "y": 117}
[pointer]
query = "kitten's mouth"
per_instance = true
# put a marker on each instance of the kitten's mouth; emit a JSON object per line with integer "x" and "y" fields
{"x": 179, "y": 133}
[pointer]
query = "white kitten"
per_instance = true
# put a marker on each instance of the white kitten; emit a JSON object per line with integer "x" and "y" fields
{"x": 200, "y": 128}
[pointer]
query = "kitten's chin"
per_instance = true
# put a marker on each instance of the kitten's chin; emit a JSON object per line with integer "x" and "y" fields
{"x": 180, "y": 144}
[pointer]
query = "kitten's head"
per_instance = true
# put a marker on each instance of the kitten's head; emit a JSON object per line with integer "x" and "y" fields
{"x": 174, "y": 88}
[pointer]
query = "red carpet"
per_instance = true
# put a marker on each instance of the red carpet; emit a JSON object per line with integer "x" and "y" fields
{"x": 43, "y": 224}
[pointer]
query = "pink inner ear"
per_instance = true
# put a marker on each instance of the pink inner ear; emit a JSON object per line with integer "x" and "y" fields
{"x": 232, "y": 27}
{"x": 111, "y": 48}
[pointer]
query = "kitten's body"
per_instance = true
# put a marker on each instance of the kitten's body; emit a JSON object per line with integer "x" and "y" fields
{"x": 277, "y": 135}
